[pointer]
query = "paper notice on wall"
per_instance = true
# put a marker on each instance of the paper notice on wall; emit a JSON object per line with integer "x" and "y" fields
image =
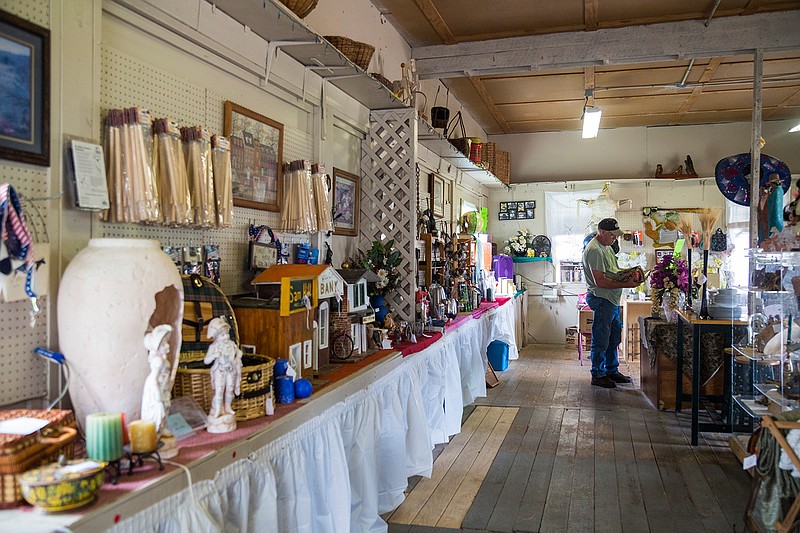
{"x": 88, "y": 164}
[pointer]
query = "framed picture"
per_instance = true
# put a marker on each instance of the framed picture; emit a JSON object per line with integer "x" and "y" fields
{"x": 436, "y": 190}
{"x": 24, "y": 91}
{"x": 346, "y": 202}
{"x": 256, "y": 157}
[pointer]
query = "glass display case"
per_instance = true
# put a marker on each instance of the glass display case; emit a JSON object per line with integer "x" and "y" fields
{"x": 766, "y": 356}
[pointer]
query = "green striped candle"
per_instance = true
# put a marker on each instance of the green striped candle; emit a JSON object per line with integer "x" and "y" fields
{"x": 104, "y": 436}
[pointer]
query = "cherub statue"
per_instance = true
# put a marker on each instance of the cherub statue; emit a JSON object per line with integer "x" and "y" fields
{"x": 226, "y": 375}
{"x": 156, "y": 393}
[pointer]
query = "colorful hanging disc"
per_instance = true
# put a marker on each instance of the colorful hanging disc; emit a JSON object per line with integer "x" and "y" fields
{"x": 733, "y": 176}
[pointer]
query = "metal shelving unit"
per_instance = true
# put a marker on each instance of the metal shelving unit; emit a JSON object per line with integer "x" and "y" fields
{"x": 284, "y": 31}
{"x": 437, "y": 143}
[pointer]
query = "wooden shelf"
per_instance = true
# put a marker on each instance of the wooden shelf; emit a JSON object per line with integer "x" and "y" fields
{"x": 676, "y": 176}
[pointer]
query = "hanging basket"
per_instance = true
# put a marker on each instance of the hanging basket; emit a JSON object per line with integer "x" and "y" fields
{"x": 301, "y": 8}
{"x": 357, "y": 52}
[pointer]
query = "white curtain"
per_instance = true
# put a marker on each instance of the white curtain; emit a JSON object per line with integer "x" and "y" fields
{"x": 341, "y": 470}
{"x": 567, "y": 221}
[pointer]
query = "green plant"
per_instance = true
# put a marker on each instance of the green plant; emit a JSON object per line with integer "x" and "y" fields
{"x": 382, "y": 259}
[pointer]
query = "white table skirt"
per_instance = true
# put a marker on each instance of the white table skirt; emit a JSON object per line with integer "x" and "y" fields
{"x": 341, "y": 470}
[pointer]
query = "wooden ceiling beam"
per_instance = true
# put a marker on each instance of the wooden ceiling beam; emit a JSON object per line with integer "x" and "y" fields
{"x": 706, "y": 76}
{"x": 791, "y": 101}
{"x": 629, "y": 45}
{"x": 752, "y": 7}
{"x": 436, "y": 20}
{"x": 588, "y": 83}
{"x": 591, "y": 11}
{"x": 477, "y": 83}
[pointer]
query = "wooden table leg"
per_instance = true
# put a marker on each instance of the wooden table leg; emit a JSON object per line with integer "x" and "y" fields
{"x": 695, "y": 382}
{"x": 679, "y": 368}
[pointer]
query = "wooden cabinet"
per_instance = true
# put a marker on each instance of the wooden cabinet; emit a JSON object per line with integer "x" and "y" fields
{"x": 433, "y": 259}
{"x": 631, "y": 311}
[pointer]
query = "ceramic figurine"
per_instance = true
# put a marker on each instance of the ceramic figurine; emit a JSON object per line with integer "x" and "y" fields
{"x": 226, "y": 376}
{"x": 156, "y": 393}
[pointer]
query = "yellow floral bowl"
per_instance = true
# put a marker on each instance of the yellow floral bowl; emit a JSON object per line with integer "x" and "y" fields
{"x": 62, "y": 486}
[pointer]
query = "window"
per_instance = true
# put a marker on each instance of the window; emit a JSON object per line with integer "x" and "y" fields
{"x": 738, "y": 219}
{"x": 567, "y": 221}
{"x": 324, "y": 318}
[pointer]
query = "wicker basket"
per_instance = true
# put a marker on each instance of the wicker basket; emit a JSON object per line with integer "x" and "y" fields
{"x": 502, "y": 166}
{"x": 383, "y": 79}
{"x": 21, "y": 453}
{"x": 356, "y": 51}
{"x": 301, "y": 8}
{"x": 193, "y": 378}
{"x": 488, "y": 155}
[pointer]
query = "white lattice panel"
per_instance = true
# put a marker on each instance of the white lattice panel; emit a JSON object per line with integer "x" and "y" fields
{"x": 128, "y": 82}
{"x": 22, "y": 374}
{"x": 388, "y": 195}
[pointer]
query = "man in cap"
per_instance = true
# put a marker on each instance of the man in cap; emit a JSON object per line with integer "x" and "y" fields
{"x": 603, "y": 297}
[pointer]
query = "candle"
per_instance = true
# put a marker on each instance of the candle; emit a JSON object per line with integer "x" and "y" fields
{"x": 143, "y": 436}
{"x": 104, "y": 436}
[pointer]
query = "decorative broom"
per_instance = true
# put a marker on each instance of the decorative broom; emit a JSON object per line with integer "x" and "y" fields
{"x": 685, "y": 227}
{"x": 708, "y": 219}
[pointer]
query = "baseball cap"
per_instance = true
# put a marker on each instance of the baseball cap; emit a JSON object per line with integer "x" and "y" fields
{"x": 610, "y": 224}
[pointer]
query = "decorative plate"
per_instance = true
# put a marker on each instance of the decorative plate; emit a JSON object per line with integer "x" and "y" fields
{"x": 733, "y": 176}
{"x": 541, "y": 245}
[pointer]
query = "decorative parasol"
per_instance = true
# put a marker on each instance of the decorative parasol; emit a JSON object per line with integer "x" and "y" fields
{"x": 733, "y": 176}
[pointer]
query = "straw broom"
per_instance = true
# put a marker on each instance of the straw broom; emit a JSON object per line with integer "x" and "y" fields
{"x": 708, "y": 219}
{"x": 685, "y": 227}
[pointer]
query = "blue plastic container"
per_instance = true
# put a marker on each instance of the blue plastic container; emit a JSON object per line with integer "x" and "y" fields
{"x": 280, "y": 367}
{"x": 284, "y": 389}
{"x": 497, "y": 353}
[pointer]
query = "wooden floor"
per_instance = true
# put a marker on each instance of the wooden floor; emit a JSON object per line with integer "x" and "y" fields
{"x": 546, "y": 451}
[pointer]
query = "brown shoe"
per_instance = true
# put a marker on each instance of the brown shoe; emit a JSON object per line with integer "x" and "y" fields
{"x": 604, "y": 382}
{"x": 618, "y": 377}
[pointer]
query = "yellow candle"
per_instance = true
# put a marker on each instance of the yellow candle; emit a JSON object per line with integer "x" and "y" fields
{"x": 143, "y": 436}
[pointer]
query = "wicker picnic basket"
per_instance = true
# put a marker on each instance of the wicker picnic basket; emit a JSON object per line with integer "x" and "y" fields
{"x": 301, "y": 8}
{"x": 356, "y": 51}
{"x": 204, "y": 300}
{"x": 19, "y": 453}
{"x": 195, "y": 381}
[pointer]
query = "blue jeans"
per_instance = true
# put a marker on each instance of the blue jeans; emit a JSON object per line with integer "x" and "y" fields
{"x": 606, "y": 336}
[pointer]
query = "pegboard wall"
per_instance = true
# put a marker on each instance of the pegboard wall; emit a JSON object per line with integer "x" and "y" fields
{"x": 23, "y": 374}
{"x": 126, "y": 82}
{"x": 36, "y": 11}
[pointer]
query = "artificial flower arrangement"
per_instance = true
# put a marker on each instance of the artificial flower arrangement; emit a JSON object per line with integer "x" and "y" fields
{"x": 669, "y": 284}
{"x": 383, "y": 260}
{"x": 520, "y": 245}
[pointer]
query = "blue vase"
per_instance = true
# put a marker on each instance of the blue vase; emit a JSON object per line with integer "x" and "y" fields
{"x": 376, "y": 302}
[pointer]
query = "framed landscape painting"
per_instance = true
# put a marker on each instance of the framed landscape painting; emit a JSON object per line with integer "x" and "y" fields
{"x": 24, "y": 91}
{"x": 256, "y": 158}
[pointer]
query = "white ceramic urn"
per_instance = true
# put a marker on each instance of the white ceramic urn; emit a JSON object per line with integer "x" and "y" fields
{"x": 112, "y": 293}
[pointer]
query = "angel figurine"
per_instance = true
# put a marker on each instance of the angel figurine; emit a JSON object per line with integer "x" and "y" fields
{"x": 156, "y": 393}
{"x": 226, "y": 375}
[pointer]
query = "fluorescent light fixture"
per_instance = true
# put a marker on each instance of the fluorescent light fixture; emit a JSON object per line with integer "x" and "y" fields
{"x": 796, "y": 128}
{"x": 591, "y": 121}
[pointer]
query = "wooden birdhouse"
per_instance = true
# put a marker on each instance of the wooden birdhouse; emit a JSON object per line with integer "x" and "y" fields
{"x": 290, "y": 316}
{"x": 355, "y": 312}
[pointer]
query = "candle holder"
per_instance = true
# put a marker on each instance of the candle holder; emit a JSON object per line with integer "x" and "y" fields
{"x": 113, "y": 470}
{"x": 704, "y": 298}
{"x": 691, "y": 281}
{"x": 136, "y": 459}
